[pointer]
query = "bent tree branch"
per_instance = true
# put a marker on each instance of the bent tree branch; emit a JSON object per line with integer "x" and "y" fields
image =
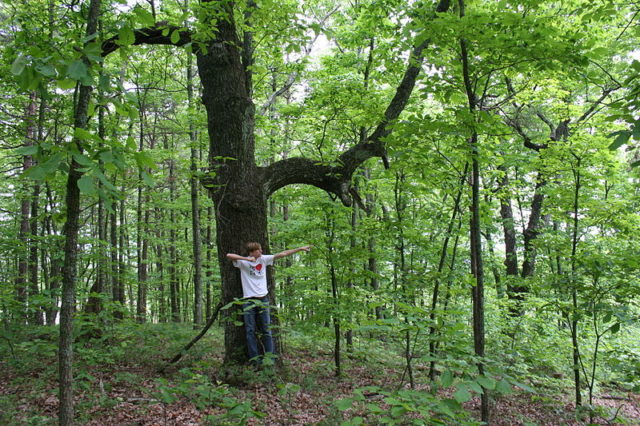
{"x": 158, "y": 34}
{"x": 335, "y": 178}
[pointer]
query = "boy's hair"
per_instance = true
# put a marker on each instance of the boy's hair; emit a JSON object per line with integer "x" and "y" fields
{"x": 251, "y": 246}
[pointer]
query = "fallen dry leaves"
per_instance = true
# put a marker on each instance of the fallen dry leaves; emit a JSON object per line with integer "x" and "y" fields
{"x": 306, "y": 395}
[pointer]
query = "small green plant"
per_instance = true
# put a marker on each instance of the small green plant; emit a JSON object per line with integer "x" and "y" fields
{"x": 199, "y": 390}
{"x": 404, "y": 406}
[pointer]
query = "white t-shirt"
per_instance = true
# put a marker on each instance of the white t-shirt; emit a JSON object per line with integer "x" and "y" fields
{"x": 254, "y": 275}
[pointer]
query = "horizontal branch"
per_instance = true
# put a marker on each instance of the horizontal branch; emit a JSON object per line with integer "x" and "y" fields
{"x": 306, "y": 171}
{"x": 150, "y": 35}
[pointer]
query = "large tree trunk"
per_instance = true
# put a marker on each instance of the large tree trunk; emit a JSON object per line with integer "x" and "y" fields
{"x": 236, "y": 227}
{"x": 237, "y": 190}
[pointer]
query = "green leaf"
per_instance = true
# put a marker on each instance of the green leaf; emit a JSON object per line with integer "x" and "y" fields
{"x": 175, "y": 36}
{"x": 462, "y": 395}
{"x": 144, "y": 160}
{"x": 35, "y": 173}
{"x": 27, "y": 150}
{"x": 373, "y": 408}
{"x": 615, "y": 327}
{"x": 447, "y": 379}
{"x": 29, "y": 79}
{"x": 126, "y": 36}
{"x": 344, "y": 404}
{"x": 89, "y": 38}
{"x": 144, "y": 16}
{"x": 486, "y": 382}
{"x": 447, "y": 406}
{"x": 524, "y": 387}
{"x": 398, "y": 411}
{"x": 82, "y": 159}
{"x": 131, "y": 143}
{"x": 77, "y": 70}
{"x": 83, "y": 134}
{"x": 93, "y": 51}
{"x": 474, "y": 386}
{"x": 107, "y": 156}
{"x": 66, "y": 84}
{"x": 52, "y": 164}
{"x": 87, "y": 185}
{"x": 46, "y": 70}
{"x": 147, "y": 179}
{"x": 18, "y": 65}
{"x": 105, "y": 181}
{"x": 621, "y": 138}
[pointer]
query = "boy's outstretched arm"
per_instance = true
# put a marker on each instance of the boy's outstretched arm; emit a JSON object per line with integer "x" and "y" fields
{"x": 290, "y": 252}
{"x": 232, "y": 257}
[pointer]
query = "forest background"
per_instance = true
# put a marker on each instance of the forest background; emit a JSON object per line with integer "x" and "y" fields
{"x": 465, "y": 172}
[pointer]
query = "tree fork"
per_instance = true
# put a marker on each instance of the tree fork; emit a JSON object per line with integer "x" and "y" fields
{"x": 237, "y": 186}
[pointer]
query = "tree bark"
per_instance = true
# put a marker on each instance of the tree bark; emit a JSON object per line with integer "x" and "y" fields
{"x": 173, "y": 255}
{"x": 25, "y": 235}
{"x": 115, "y": 273}
{"x": 372, "y": 263}
{"x": 122, "y": 254}
{"x": 209, "y": 274}
{"x": 475, "y": 227}
{"x": 142, "y": 226}
{"x": 337, "y": 352}
{"x": 508, "y": 226}
{"x": 94, "y": 304}
{"x": 441, "y": 264}
{"x": 532, "y": 231}
{"x": 55, "y": 264}
{"x": 195, "y": 206}
{"x": 575, "y": 343}
{"x": 71, "y": 227}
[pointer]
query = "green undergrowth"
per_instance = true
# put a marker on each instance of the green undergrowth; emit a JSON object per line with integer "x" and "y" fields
{"x": 120, "y": 363}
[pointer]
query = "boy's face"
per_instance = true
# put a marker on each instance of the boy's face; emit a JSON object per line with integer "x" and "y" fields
{"x": 256, "y": 253}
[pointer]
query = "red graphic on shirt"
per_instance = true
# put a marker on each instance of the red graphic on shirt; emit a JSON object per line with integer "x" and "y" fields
{"x": 259, "y": 267}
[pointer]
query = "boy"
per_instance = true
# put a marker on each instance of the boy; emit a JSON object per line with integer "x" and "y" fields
{"x": 253, "y": 275}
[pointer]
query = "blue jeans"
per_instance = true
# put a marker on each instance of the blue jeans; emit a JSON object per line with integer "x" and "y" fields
{"x": 255, "y": 312}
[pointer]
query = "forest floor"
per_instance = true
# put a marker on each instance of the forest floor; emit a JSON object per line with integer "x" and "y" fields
{"x": 120, "y": 385}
